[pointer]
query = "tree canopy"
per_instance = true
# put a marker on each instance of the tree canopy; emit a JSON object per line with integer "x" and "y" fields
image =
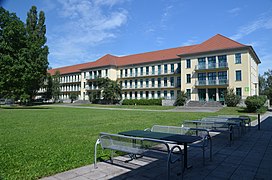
{"x": 110, "y": 89}
{"x": 23, "y": 54}
{"x": 265, "y": 84}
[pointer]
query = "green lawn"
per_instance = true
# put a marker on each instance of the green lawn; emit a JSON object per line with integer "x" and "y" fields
{"x": 39, "y": 142}
{"x": 131, "y": 106}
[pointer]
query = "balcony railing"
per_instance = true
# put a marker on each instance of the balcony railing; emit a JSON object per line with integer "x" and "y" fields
{"x": 156, "y": 86}
{"x": 70, "y": 81}
{"x": 211, "y": 66}
{"x": 91, "y": 87}
{"x": 217, "y": 82}
{"x": 150, "y": 73}
{"x": 94, "y": 77}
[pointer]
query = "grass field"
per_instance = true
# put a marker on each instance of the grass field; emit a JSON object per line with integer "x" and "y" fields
{"x": 39, "y": 142}
{"x": 131, "y": 106}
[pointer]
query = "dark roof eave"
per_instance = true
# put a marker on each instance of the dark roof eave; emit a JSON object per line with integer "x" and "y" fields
{"x": 213, "y": 51}
{"x": 148, "y": 62}
{"x": 111, "y": 65}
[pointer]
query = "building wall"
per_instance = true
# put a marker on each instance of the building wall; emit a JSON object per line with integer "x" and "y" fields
{"x": 166, "y": 84}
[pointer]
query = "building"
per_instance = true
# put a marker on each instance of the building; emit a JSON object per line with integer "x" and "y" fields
{"x": 204, "y": 71}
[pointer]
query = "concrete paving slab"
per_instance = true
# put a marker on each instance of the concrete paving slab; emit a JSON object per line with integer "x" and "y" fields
{"x": 248, "y": 158}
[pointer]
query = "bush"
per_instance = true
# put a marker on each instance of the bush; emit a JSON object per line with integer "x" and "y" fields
{"x": 142, "y": 102}
{"x": 255, "y": 103}
{"x": 231, "y": 99}
{"x": 181, "y": 99}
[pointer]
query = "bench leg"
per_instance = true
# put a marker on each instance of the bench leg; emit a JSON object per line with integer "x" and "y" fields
{"x": 95, "y": 153}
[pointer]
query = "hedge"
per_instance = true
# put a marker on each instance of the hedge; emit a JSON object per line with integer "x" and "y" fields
{"x": 142, "y": 102}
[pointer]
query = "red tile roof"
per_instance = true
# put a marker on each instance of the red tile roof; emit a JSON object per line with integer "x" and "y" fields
{"x": 217, "y": 42}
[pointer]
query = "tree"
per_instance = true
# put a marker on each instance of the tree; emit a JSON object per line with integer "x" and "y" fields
{"x": 265, "y": 84}
{"x": 181, "y": 99}
{"x": 23, "y": 54}
{"x": 110, "y": 89}
{"x": 12, "y": 43}
{"x": 231, "y": 99}
{"x": 35, "y": 54}
{"x": 56, "y": 86}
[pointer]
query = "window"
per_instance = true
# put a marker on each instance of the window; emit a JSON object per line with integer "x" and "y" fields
{"x": 153, "y": 94}
{"x": 202, "y": 63}
{"x": 188, "y": 78}
{"x": 211, "y": 62}
{"x": 165, "y": 69}
{"x": 135, "y": 94}
{"x": 146, "y": 94}
{"x": 239, "y": 92}
{"x": 91, "y": 74}
{"x": 146, "y": 82}
{"x": 130, "y": 71}
{"x": 147, "y": 70}
{"x": 126, "y": 72}
{"x": 142, "y": 71}
{"x": 130, "y": 82}
{"x": 153, "y": 82}
{"x": 121, "y": 73}
{"x": 188, "y": 93}
{"x": 212, "y": 78}
{"x": 141, "y": 83}
{"x": 125, "y": 95}
{"x": 222, "y": 61}
{"x": 159, "y": 82}
{"x": 141, "y": 94}
{"x": 106, "y": 73}
{"x": 172, "y": 94}
{"x": 153, "y": 69}
{"x": 159, "y": 69}
{"x": 165, "y": 82}
{"x": 201, "y": 78}
{"x": 222, "y": 77}
{"x": 84, "y": 75}
{"x": 238, "y": 75}
{"x": 136, "y": 71}
{"x": 178, "y": 81}
{"x": 130, "y": 95}
{"x": 179, "y": 68}
{"x": 165, "y": 94}
{"x": 172, "y": 68}
{"x": 136, "y": 83}
{"x": 121, "y": 84}
{"x": 172, "y": 81}
{"x": 188, "y": 63}
{"x": 125, "y": 83}
{"x": 238, "y": 58}
{"x": 159, "y": 94}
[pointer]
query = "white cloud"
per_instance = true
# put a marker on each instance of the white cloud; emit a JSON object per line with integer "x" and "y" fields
{"x": 263, "y": 22}
{"x": 86, "y": 24}
{"x": 234, "y": 11}
{"x": 189, "y": 42}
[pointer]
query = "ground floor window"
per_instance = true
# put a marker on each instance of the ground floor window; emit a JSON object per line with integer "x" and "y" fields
{"x": 188, "y": 93}
{"x": 239, "y": 92}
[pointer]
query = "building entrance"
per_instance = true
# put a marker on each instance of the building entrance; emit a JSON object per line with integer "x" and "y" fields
{"x": 202, "y": 94}
{"x": 212, "y": 94}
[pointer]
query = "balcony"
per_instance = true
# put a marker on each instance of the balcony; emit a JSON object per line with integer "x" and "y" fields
{"x": 94, "y": 77}
{"x": 211, "y": 66}
{"x": 70, "y": 81}
{"x": 91, "y": 88}
{"x": 150, "y": 74}
{"x": 217, "y": 82}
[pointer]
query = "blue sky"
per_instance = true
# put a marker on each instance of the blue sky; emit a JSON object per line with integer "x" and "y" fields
{"x": 80, "y": 31}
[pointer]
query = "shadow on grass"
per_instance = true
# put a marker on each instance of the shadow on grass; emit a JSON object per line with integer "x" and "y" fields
{"x": 23, "y": 107}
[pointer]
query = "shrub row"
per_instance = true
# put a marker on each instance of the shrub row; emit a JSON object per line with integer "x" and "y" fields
{"x": 142, "y": 102}
{"x": 255, "y": 103}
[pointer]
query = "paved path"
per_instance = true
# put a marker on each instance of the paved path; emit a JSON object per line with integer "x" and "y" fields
{"x": 177, "y": 109}
{"x": 250, "y": 157}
